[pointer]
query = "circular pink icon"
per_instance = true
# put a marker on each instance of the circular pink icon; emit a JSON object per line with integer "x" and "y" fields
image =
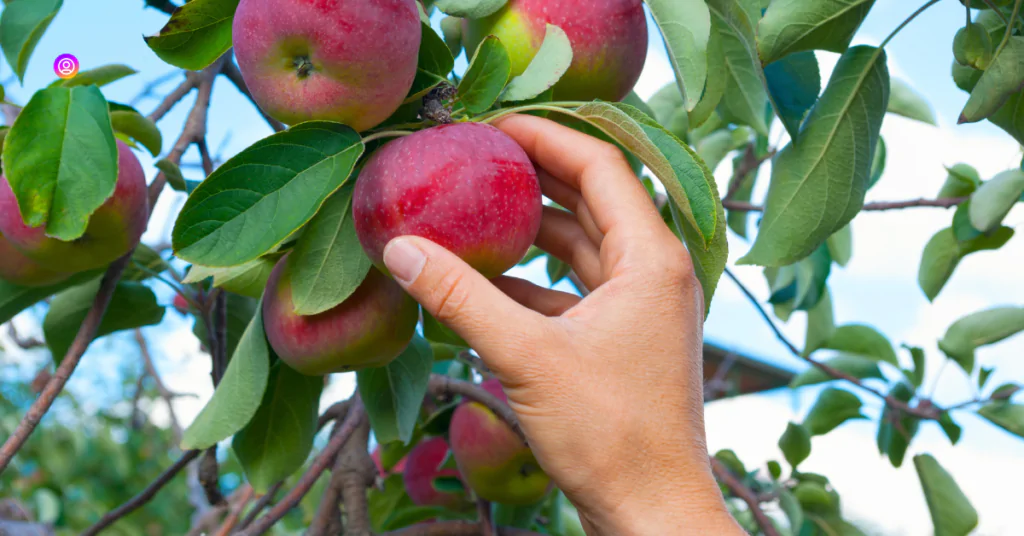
{"x": 66, "y": 66}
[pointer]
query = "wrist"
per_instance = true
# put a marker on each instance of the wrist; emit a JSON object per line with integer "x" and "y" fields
{"x": 691, "y": 503}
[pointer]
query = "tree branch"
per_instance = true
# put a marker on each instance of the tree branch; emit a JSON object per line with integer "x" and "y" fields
{"x": 86, "y": 333}
{"x": 483, "y": 510}
{"x": 142, "y": 498}
{"x": 260, "y": 505}
{"x": 163, "y": 5}
{"x": 455, "y": 528}
{"x": 356, "y": 415}
{"x": 174, "y": 97}
{"x": 233, "y": 74}
{"x": 948, "y": 202}
{"x": 746, "y": 494}
{"x": 161, "y": 388}
{"x": 228, "y": 526}
{"x": 443, "y": 386}
{"x": 356, "y": 473}
{"x": 209, "y": 477}
{"x": 928, "y": 412}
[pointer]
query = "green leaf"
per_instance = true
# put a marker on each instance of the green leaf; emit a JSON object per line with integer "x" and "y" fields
{"x": 1009, "y": 417}
{"x": 686, "y": 27}
{"x": 819, "y": 180}
{"x": 939, "y": 260}
{"x": 196, "y": 35}
{"x": 840, "y": 246}
{"x": 239, "y": 395}
{"x": 247, "y": 279}
{"x": 820, "y": 324}
{"x": 745, "y": 97}
{"x": 854, "y": 365}
{"x": 791, "y": 26}
{"x": 15, "y": 299}
{"x": 486, "y": 77}
{"x": 907, "y": 102}
{"x": 451, "y": 30}
{"x": 557, "y": 270}
{"x": 241, "y": 310}
{"x": 737, "y": 219}
{"x": 139, "y": 128}
{"x": 811, "y": 277}
{"x": 895, "y": 429}
{"x": 22, "y": 25}
{"x": 795, "y": 444}
{"x": 952, "y": 430}
{"x": 1011, "y": 117}
{"x": 99, "y": 76}
{"x": 1002, "y": 79}
{"x": 435, "y": 331}
{"x": 833, "y": 408}
{"x": 435, "y": 64}
{"x": 995, "y": 198}
{"x": 173, "y": 174}
{"x": 878, "y": 163}
{"x": 705, "y": 111}
{"x": 393, "y": 394}
{"x": 917, "y": 355}
{"x": 545, "y": 70}
{"x": 794, "y": 84}
{"x": 132, "y": 305}
{"x": 264, "y": 194}
{"x": 864, "y": 341}
{"x": 470, "y": 9}
{"x": 144, "y": 264}
{"x": 61, "y": 125}
{"x": 952, "y": 514}
{"x": 980, "y": 329}
{"x": 962, "y": 180}
{"x": 328, "y": 264}
{"x": 666, "y": 104}
{"x": 791, "y": 507}
{"x": 983, "y": 375}
{"x": 278, "y": 439}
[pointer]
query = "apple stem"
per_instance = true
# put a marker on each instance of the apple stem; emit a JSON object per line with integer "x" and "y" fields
{"x": 303, "y": 66}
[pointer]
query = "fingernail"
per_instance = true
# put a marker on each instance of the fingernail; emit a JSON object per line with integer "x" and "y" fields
{"x": 404, "y": 260}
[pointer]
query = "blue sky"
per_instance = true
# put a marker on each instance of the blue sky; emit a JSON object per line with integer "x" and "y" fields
{"x": 879, "y": 287}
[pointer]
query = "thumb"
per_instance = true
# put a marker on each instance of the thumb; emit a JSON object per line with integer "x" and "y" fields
{"x": 459, "y": 296}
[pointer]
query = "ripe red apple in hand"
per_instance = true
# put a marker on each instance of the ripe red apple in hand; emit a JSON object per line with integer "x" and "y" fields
{"x": 491, "y": 457}
{"x": 18, "y": 269}
{"x": 351, "y": 61}
{"x": 114, "y": 229}
{"x": 608, "y": 37}
{"x": 369, "y": 329}
{"x": 467, "y": 187}
{"x": 422, "y": 467}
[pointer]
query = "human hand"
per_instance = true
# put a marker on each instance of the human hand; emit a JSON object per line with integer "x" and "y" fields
{"x": 608, "y": 388}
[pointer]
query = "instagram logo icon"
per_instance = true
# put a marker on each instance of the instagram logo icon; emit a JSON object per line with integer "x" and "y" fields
{"x": 66, "y": 66}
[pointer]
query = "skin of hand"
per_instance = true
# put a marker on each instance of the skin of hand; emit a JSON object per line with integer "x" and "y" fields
{"x": 608, "y": 388}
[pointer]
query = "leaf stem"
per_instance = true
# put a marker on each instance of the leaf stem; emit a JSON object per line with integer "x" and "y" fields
{"x": 490, "y": 117}
{"x": 386, "y": 134}
{"x": 1009, "y": 27}
{"x": 910, "y": 19}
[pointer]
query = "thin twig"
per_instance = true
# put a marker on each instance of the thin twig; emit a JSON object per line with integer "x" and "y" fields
{"x": 356, "y": 473}
{"x": 578, "y": 283}
{"x": 163, "y": 5}
{"x": 174, "y": 97}
{"x": 948, "y": 202}
{"x": 165, "y": 393}
{"x": 483, "y": 511}
{"x": 746, "y": 494}
{"x": 86, "y": 333}
{"x": 925, "y": 411}
{"x": 354, "y": 418}
{"x": 262, "y": 503}
{"x": 209, "y": 477}
{"x": 233, "y": 74}
{"x": 443, "y": 386}
{"x": 228, "y": 526}
{"x": 142, "y": 498}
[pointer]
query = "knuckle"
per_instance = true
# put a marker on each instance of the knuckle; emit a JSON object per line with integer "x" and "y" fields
{"x": 450, "y": 297}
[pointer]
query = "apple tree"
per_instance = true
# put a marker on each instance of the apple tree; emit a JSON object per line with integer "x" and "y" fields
{"x": 277, "y": 254}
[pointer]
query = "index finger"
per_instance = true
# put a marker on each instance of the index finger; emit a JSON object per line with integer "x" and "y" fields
{"x": 594, "y": 167}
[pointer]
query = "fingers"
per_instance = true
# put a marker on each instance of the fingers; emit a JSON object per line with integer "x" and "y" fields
{"x": 566, "y": 196}
{"x": 562, "y": 236}
{"x": 459, "y": 297}
{"x": 543, "y": 300}
{"x": 598, "y": 170}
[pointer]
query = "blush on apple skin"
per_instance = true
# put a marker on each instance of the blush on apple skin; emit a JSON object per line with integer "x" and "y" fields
{"x": 369, "y": 329}
{"x": 18, "y": 269}
{"x": 608, "y": 37}
{"x": 422, "y": 468}
{"x": 114, "y": 229}
{"x": 350, "y": 61}
{"x": 491, "y": 457}
{"x": 468, "y": 187}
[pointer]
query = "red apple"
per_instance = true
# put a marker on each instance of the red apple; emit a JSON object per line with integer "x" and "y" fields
{"x": 467, "y": 186}
{"x": 423, "y": 466}
{"x": 608, "y": 37}
{"x": 114, "y": 229}
{"x": 20, "y": 270}
{"x": 180, "y": 304}
{"x": 491, "y": 457}
{"x": 351, "y": 61}
{"x": 369, "y": 329}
